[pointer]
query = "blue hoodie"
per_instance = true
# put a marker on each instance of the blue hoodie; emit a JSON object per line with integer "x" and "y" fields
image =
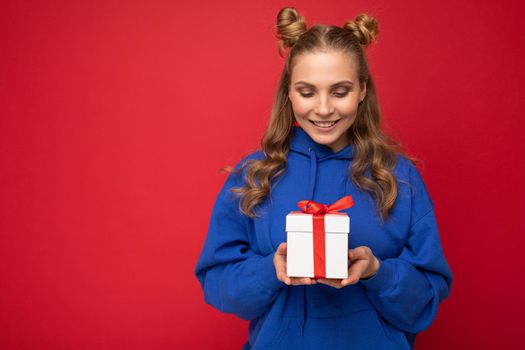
{"x": 237, "y": 274}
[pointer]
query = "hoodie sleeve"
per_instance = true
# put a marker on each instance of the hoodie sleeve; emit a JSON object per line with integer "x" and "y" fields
{"x": 234, "y": 278}
{"x": 406, "y": 290}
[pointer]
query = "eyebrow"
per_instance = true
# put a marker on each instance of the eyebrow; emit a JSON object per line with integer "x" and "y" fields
{"x": 343, "y": 82}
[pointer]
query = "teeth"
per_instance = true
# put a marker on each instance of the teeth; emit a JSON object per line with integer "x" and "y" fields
{"x": 324, "y": 124}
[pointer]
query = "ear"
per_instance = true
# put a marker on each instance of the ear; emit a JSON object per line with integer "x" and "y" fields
{"x": 362, "y": 93}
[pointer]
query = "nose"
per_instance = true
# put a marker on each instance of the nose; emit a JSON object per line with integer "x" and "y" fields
{"x": 324, "y": 106}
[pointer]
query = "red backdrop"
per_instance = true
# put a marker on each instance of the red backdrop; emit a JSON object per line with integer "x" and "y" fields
{"x": 115, "y": 117}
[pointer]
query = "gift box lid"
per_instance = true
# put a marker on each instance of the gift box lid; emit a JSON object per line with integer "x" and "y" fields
{"x": 303, "y": 222}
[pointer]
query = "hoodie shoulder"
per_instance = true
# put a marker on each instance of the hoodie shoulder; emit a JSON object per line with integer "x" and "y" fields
{"x": 236, "y": 178}
{"x": 403, "y": 163}
{"x": 411, "y": 181}
{"x": 402, "y": 168}
{"x": 255, "y": 155}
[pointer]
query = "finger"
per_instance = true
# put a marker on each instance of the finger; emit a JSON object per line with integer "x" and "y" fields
{"x": 296, "y": 281}
{"x": 361, "y": 253}
{"x": 279, "y": 261}
{"x": 351, "y": 279}
{"x": 330, "y": 282}
{"x": 281, "y": 276}
{"x": 354, "y": 254}
{"x": 355, "y": 272}
{"x": 325, "y": 281}
{"x": 281, "y": 249}
{"x": 358, "y": 267}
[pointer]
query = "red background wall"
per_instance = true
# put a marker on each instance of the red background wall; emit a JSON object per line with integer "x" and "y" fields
{"x": 116, "y": 115}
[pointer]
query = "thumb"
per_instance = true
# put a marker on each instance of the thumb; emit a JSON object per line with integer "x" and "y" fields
{"x": 281, "y": 249}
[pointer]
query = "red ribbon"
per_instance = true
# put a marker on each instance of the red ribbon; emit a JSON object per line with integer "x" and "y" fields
{"x": 319, "y": 210}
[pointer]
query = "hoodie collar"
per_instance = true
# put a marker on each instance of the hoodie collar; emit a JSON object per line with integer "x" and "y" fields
{"x": 304, "y": 144}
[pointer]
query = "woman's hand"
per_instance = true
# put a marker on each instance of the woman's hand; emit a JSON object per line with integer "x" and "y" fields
{"x": 363, "y": 264}
{"x": 279, "y": 261}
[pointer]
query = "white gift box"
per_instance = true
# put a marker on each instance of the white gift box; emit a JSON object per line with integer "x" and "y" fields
{"x": 300, "y": 245}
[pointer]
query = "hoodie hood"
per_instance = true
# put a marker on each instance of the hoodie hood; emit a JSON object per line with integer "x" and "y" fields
{"x": 302, "y": 143}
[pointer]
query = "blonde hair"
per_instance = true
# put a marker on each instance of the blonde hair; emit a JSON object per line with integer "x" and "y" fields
{"x": 374, "y": 151}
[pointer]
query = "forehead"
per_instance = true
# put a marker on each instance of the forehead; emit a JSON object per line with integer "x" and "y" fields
{"x": 324, "y": 68}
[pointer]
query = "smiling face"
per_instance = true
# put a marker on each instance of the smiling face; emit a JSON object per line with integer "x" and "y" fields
{"x": 324, "y": 90}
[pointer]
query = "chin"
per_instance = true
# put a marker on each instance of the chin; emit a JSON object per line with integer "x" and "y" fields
{"x": 325, "y": 139}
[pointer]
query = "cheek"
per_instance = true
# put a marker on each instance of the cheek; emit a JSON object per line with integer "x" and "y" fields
{"x": 301, "y": 107}
{"x": 348, "y": 108}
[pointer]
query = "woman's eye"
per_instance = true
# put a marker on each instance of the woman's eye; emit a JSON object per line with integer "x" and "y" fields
{"x": 338, "y": 94}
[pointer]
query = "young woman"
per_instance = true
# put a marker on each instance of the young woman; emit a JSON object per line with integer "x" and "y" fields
{"x": 323, "y": 143}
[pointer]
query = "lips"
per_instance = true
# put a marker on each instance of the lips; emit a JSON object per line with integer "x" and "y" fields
{"x": 324, "y": 121}
{"x": 324, "y": 124}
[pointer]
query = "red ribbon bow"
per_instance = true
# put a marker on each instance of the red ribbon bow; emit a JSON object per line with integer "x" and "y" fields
{"x": 319, "y": 210}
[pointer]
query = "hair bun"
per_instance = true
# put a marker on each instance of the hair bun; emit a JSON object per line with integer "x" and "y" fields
{"x": 290, "y": 26}
{"x": 365, "y": 28}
